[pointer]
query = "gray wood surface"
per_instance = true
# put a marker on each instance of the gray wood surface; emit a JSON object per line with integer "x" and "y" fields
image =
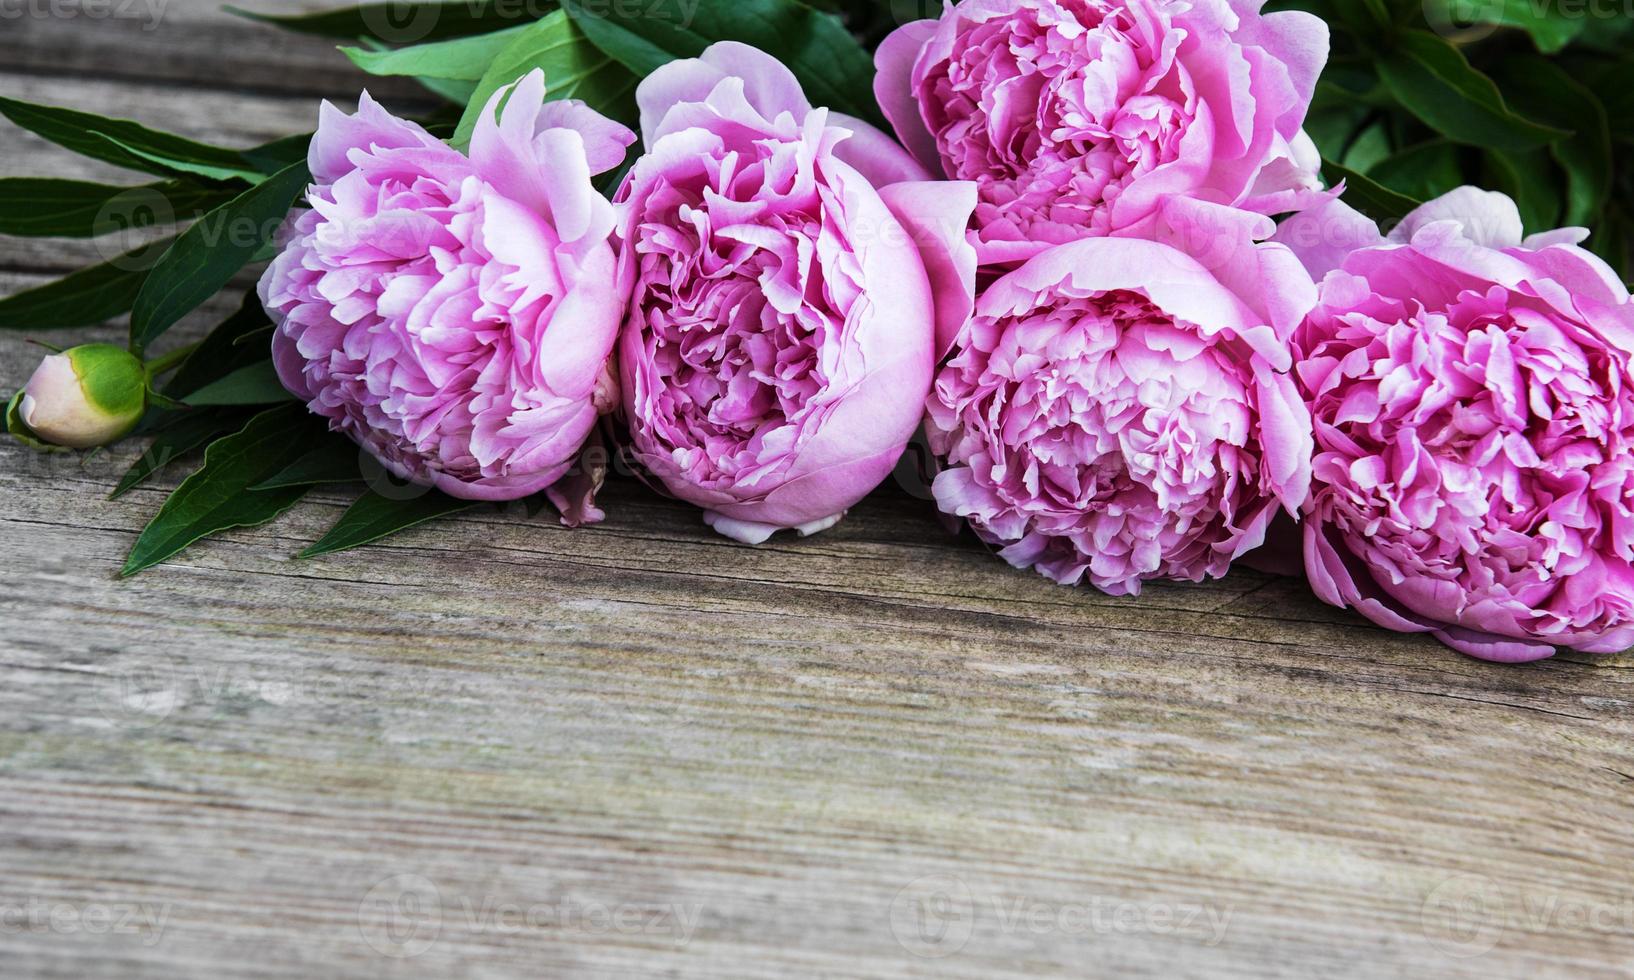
{"x": 494, "y": 747}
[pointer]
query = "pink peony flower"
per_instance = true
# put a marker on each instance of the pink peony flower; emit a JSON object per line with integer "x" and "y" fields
{"x": 1474, "y": 414}
{"x": 1077, "y": 118}
{"x": 455, "y": 314}
{"x": 1119, "y": 410}
{"x": 789, "y": 269}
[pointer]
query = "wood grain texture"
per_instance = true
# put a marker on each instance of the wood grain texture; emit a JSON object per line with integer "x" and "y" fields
{"x": 494, "y": 747}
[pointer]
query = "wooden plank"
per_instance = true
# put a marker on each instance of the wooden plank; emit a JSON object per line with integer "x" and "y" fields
{"x": 192, "y": 43}
{"x": 493, "y": 746}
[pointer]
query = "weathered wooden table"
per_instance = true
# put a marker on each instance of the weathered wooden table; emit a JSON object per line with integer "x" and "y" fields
{"x": 495, "y": 747}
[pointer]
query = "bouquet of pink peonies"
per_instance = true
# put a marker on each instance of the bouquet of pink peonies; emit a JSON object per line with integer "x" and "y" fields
{"x": 1151, "y": 277}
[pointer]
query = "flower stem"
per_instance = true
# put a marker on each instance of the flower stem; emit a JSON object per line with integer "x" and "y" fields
{"x": 169, "y": 362}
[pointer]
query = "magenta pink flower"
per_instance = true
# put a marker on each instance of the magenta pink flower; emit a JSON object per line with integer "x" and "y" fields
{"x": 1119, "y": 410}
{"x": 789, "y": 271}
{"x": 1473, "y": 398}
{"x": 1076, "y": 118}
{"x": 455, "y": 314}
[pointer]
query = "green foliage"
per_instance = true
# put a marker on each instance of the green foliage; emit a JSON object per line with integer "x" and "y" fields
{"x": 336, "y": 460}
{"x": 128, "y": 144}
{"x": 374, "y": 516}
{"x": 218, "y": 497}
{"x": 82, "y": 298}
{"x": 48, "y": 207}
{"x": 207, "y": 256}
{"x": 574, "y": 69}
{"x": 1529, "y": 97}
{"x": 178, "y": 434}
{"x": 398, "y": 22}
{"x": 830, "y": 63}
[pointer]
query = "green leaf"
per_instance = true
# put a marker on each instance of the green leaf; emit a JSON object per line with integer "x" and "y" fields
{"x": 124, "y": 143}
{"x": 80, "y": 299}
{"x": 574, "y": 69}
{"x": 400, "y": 22}
{"x": 831, "y": 65}
{"x": 1551, "y": 27}
{"x": 336, "y": 461}
{"x": 374, "y": 516}
{"x": 1370, "y": 146}
{"x": 465, "y": 59}
{"x": 218, "y": 496}
{"x": 242, "y": 171}
{"x": 253, "y": 384}
{"x": 46, "y": 206}
{"x": 269, "y": 158}
{"x": 1433, "y": 81}
{"x": 452, "y": 90}
{"x": 207, "y": 256}
{"x": 1614, "y": 85}
{"x": 1532, "y": 181}
{"x": 181, "y": 435}
{"x": 223, "y": 351}
{"x": 1541, "y": 87}
{"x": 1422, "y": 172}
{"x": 1369, "y": 196}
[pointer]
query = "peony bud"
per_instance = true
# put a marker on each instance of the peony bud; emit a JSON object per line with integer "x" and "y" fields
{"x": 86, "y": 396}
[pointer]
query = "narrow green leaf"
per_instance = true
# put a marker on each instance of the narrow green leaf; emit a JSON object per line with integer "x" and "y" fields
{"x": 218, "y": 496}
{"x": 269, "y": 158}
{"x": 1434, "y": 82}
{"x": 253, "y": 384}
{"x": 47, "y": 207}
{"x": 335, "y": 461}
{"x": 830, "y": 64}
{"x": 241, "y": 171}
{"x": 1368, "y": 196}
{"x": 374, "y": 517}
{"x": 401, "y": 22}
{"x": 208, "y": 255}
{"x": 223, "y": 351}
{"x": 465, "y": 59}
{"x": 180, "y": 436}
{"x": 82, "y": 298}
{"x": 122, "y": 142}
{"x": 574, "y": 69}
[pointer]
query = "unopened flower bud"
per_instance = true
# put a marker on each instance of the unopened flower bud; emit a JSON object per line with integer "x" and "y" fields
{"x": 83, "y": 397}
